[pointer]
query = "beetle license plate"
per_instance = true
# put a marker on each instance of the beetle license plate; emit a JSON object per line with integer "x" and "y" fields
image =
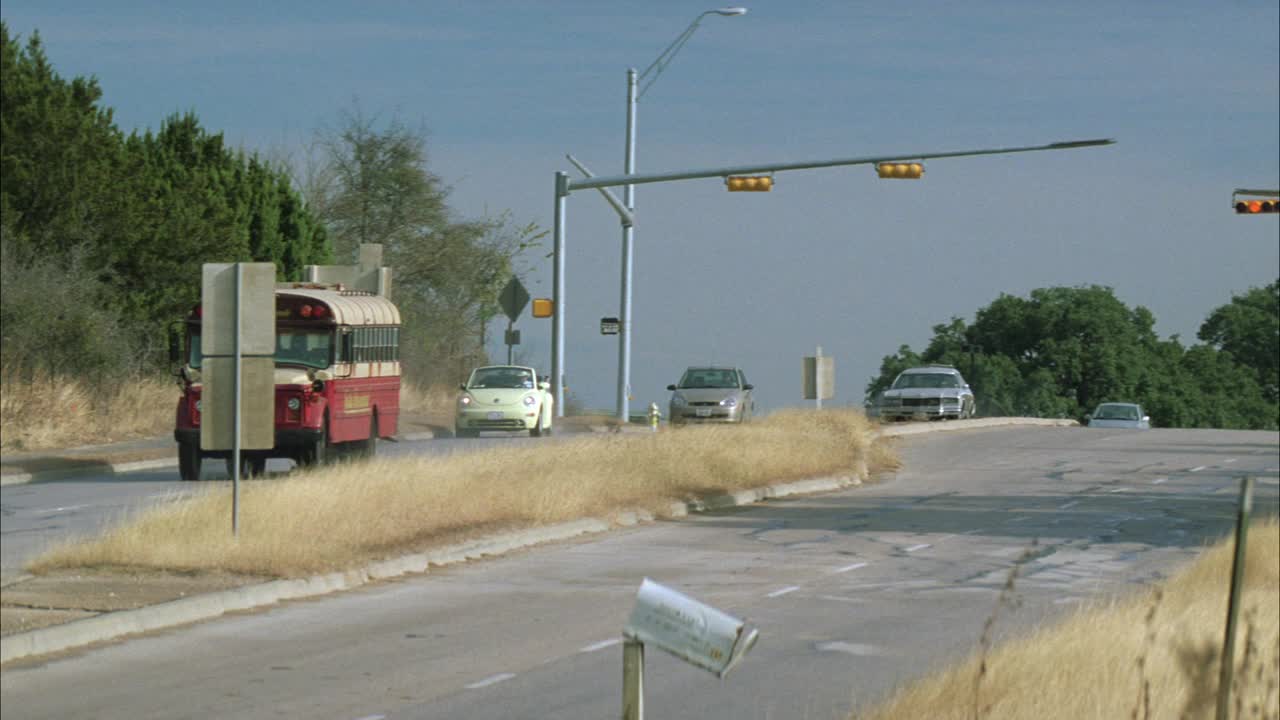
{"x": 702, "y": 412}
{"x": 495, "y": 416}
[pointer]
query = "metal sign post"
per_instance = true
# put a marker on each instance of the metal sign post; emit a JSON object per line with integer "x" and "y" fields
{"x": 237, "y": 345}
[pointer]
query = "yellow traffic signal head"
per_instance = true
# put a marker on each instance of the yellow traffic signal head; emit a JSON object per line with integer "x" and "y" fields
{"x": 1251, "y": 207}
{"x": 749, "y": 183}
{"x": 900, "y": 170}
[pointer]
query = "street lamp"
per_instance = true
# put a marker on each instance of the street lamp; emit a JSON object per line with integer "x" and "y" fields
{"x": 635, "y": 90}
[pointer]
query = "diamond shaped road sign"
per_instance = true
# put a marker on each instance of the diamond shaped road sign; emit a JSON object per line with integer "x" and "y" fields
{"x": 513, "y": 298}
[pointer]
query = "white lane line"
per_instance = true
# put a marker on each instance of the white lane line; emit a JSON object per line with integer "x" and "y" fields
{"x": 373, "y": 717}
{"x": 1198, "y": 468}
{"x": 857, "y": 649}
{"x": 64, "y": 508}
{"x": 972, "y": 532}
{"x": 1157, "y": 481}
{"x": 490, "y": 681}
{"x": 1230, "y": 460}
{"x": 1017, "y": 519}
{"x": 847, "y": 568}
{"x": 1120, "y": 490}
{"x": 921, "y": 546}
{"x": 783, "y": 591}
{"x": 600, "y": 645}
{"x": 1073, "y": 503}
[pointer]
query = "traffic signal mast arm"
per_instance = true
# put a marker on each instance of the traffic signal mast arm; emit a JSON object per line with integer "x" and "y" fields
{"x": 616, "y": 180}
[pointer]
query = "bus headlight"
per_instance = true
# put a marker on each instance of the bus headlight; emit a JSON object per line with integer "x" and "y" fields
{"x": 295, "y": 404}
{"x": 197, "y": 406}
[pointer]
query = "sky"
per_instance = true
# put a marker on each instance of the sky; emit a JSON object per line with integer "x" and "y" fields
{"x": 834, "y": 257}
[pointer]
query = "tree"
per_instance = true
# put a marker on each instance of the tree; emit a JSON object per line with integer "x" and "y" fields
{"x": 1249, "y": 329}
{"x": 1061, "y": 351}
{"x": 376, "y": 188}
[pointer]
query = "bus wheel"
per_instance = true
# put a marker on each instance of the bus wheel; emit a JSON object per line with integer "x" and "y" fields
{"x": 189, "y": 461}
{"x": 317, "y": 453}
{"x": 249, "y": 466}
{"x": 370, "y": 448}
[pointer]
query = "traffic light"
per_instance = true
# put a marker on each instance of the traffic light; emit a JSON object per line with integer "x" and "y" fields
{"x": 749, "y": 183}
{"x": 1250, "y": 207}
{"x": 900, "y": 170}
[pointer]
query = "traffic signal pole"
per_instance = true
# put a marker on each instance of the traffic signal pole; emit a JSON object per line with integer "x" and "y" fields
{"x": 564, "y": 186}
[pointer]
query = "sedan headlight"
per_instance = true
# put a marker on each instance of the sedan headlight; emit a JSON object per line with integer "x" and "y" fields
{"x": 678, "y": 400}
{"x": 729, "y": 402}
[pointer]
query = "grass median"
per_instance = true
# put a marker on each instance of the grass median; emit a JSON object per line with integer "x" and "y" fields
{"x": 341, "y": 516}
{"x": 1152, "y": 655}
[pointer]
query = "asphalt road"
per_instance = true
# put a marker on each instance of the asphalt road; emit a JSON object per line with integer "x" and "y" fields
{"x": 853, "y": 592}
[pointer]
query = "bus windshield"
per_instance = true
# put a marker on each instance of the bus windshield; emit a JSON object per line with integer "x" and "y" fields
{"x": 294, "y": 346}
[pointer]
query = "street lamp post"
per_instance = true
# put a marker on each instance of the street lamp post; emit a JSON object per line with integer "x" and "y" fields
{"x": 635, "y": 90}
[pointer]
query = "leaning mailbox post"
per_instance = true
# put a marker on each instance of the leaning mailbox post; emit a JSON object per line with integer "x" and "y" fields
{"x": 696, "y": 633}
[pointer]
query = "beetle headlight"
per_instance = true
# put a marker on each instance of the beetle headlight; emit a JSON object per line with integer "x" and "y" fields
{"x": 465, "y": 400}
{"x": 530, "y": 401}
{"x": 295, "y": 404}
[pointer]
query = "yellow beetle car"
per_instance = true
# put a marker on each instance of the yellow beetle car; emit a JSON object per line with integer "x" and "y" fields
{"x": 504, "y": 397}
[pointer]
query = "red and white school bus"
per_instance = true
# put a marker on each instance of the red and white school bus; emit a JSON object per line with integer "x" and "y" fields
{"x": 337, "y": 378}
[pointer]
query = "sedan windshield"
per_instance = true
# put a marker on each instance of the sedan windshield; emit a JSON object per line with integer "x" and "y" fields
{"x": 1116, "y": 412}
{"x": 925, "y": 380}
{"x": 709, "y": 378}
{"x": 503, "y": 378}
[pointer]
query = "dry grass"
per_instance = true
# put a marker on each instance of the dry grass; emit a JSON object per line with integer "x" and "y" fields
{"x": 343, "y": 515}
{"x": 1151, "y": 656}
{"x": 49, "y": 412}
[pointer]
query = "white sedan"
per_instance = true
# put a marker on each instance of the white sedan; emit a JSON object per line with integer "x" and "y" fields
{"x": 504, "y": 397}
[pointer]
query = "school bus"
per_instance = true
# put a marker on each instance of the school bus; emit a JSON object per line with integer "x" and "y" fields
{"x": 337, "y": 379}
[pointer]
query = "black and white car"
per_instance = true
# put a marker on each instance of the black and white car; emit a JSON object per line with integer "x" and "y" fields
{"x": 933, "y": 392}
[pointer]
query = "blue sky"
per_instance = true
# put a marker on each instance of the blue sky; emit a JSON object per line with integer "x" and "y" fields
{"x": 831, "y": 257}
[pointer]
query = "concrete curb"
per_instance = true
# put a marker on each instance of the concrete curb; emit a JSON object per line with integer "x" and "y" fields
{"x": 113, "y": 468}
{"x": 111, "y": 626}
{"x": 114, "y": 625}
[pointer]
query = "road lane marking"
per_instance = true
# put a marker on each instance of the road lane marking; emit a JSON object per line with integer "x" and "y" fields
{"x": 921, "y": 546}
{"x": 490, "y": 681}
{"x": 1120, "y": 490}
{"x": 847, "y": 568}
{"x": 1157, "y": 481}
{"x": 600, "y": 645}
{"x": 1198, "y": 468}
{"x": 857, "y": 649}
{"x": 783, "y": 591}
{"x": 1230, "y": 460}
{"x": 1064, "y": 506}
{"x": 1017, "y": 519}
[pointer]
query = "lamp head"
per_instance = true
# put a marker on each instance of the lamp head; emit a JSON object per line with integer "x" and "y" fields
{"x": 730, "y": 11}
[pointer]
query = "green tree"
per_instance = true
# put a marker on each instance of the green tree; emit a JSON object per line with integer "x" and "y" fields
{"x": 1061, "y": 351}
{"x": 1249, "y": 329}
